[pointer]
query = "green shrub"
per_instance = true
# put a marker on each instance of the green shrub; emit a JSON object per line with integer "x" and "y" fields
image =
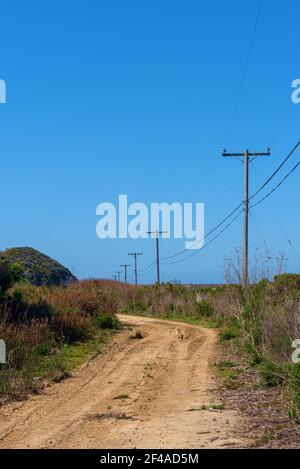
{"x": 287, "y": 282}
{"x": 228, "y": 333}
{"x": 107, "y": 322}
{"x": 225, "y": 365}
{"x": 271, "y": 374}
{"x": 10, "y": 273}
{"x": 203, "y": 309}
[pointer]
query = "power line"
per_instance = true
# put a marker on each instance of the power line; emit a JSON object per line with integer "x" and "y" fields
{"x": 282, "y": 124}
{"x": 284, "y": 230}
{"x": 208, "y": 234}
{"x": 236, "y": 106}
{"x": 277, "y": 186}
{"x": 247, "y": 156}
{"x": 150, "y": 266}
{"x": 206, "y": 245}
{"x": 148, "y": 272}
{"x": 238, "y": 206}
{"x": 260, "y": 233}
{"x": 232, "y": 221}
{"x": 276, "y": 171}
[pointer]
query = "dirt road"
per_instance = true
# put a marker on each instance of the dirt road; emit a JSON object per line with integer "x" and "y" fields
{"x": 143, "y": 393}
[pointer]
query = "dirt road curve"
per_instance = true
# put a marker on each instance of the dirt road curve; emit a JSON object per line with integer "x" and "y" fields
{"x": 143, "y": 393}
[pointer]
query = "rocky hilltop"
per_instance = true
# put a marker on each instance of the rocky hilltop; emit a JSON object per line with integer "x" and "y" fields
{"x": 38, "y": 268}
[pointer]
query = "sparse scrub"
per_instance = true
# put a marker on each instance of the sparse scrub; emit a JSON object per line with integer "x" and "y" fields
{"x": 39, "y": 325}
{"x": 260, "y": 321}
{"x": 229, "y": 332}
{"x": 107, "y": 321}
{"x": 170, "y": 301}
{"x": 73, "y": 327}
{"x": 264, "y": 320}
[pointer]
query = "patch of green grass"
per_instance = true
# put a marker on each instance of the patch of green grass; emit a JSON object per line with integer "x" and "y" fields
{"x": 208, "y": 323}
{"x": 218, "y": 406}
{"x": 228, "y": 372}
{"x": 232, "y": 375}
{"x": 224, "y": 365}
{"x": 192, "y": 320}
{"x": 271, "y": 374}
{"x": 71, "y": 356}
{"x": 107, "y": 321}
{"x": 228, "y": 334}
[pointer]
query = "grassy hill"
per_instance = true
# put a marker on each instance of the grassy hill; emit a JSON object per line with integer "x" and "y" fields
{"x": 38, "y": 268}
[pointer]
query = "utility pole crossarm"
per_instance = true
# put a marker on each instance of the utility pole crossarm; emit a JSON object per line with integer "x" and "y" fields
{"x": 266, "y": 153}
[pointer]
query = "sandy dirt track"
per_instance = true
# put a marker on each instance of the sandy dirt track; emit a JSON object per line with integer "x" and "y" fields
{"x": 143, "y": 393}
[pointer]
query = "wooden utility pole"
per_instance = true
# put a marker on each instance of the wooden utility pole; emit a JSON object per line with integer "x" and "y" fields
{"x": 246, "y": 155}
{"x": 157, "y": 233}
{"x": 118, "y": 273}
{"x": 246, "y": 219}
{"x": 135, "y": 254}
{"x": 125, "y": 271}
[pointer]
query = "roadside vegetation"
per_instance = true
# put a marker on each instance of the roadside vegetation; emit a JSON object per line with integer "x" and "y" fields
{"x": 48, "y": 331}
{"x": 258, "y": 323}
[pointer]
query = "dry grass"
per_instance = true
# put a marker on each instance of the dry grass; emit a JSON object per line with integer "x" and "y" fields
{"x": 35, "y": 322}
{"x": 260, "y": 322}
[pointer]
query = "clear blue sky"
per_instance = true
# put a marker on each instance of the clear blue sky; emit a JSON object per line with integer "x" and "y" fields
{"x": 135, "y": 97}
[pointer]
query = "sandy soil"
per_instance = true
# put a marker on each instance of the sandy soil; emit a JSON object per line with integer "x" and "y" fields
{"x": 143, "y": 393}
